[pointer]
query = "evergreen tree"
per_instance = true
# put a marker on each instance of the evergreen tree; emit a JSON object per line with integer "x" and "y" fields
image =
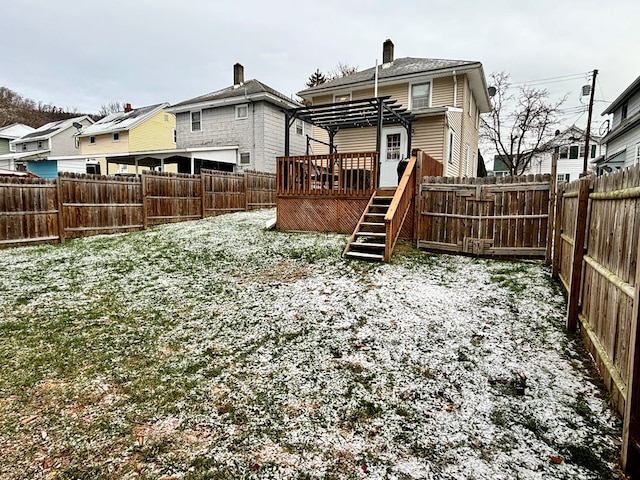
{"x": 317, "y": 78}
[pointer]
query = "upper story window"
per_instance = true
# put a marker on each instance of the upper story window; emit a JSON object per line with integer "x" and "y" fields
{"x": 92, "y": 140}
{"x": 344, "y": 97}
{"x": 624, "y": 111}
{"x": 637, "y": 159}
{"x": 420, "y": 96}
{"x": 245, "y": 158}
{"x": 40, "y": 144}
{"x": 175, "y": 136}
{"x": 452, "y": 139}
{"x": 242, "y": 111}
{"x": 196, "y": 124}
{"x": 299, "y": 127}
{"x": 24, "y": 146}
{"x": 116, "y": 136}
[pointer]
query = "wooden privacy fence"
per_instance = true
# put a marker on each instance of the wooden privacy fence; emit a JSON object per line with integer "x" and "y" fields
{"x": 596, "y": 257}
{"x": 506, "y": 216}
{"x": 37, "y": 210}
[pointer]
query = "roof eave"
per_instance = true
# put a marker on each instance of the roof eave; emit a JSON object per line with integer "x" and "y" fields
{"x": 236, "y": 100}
{"x": 629, "y": 91}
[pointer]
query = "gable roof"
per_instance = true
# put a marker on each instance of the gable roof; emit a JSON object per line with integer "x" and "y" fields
{"x": 407, "y": 68}
{"x": 122, "y": 121}
{"x": 50, "y": 129}
{"x": 628, "y": 92}
{"x": 249, "y": 90}
{"x": 15, "y": 130}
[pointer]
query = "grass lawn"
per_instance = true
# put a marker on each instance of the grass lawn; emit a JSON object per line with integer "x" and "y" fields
{"x": 215, "y": 349}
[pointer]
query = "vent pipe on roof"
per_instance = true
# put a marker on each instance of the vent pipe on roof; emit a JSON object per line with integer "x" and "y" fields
{"x": 238, "y": 74}
{"x": 127, "y": 108}
{"x": 387, "y": 51}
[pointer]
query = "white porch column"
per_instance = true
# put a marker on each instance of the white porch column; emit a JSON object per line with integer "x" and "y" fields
{"x": 193, "y": 164}
{"x": 136, "y": 165}
{"x": 162, "y": 164}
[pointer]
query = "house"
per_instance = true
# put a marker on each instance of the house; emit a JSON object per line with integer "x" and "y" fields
{"x": 7, "y": 134}
{"x": 119, "y": 139}
{"x": 45, "y": 151}
{"x": 569, "y": 145}
{"x": 246, "y": 116}
{"x": 444, "y": 97}
{"x": 623, "y": 139}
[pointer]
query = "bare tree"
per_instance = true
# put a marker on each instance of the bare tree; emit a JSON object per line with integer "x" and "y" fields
{"x": 111, "y": 107}
{"x": 341, "y": 70}
{"x": 519, "y": 125}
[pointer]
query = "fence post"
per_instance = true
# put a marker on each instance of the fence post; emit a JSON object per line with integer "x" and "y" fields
{"x": 61, "y": 221}
{"x": 203, "y": 194}
{"x": 578, "y": 255}
{"x": 557, "y": 232}
{"x": 552, "y": 207}
{"x": 631, "y": 421}
{"x": 245, "y": 181}
{"x": 143, "y": 194}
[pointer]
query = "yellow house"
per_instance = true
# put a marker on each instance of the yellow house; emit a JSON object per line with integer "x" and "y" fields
{"x": 445, "y": 97}
{"x": 119, "y": 141}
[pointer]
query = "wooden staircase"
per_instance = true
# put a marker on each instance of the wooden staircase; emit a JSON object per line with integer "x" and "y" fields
{"x": 368, "y": 240}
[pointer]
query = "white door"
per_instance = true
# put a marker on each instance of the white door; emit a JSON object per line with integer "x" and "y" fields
{"x": 394, "y": 148}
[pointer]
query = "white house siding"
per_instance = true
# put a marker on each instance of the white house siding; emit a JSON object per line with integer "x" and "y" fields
{"x": 72, "y": 166}
{"x": 630, "y": 140}
{"x": 428, "y": 136}
{"x": 272, "y": 123}
{"x": 633, "y": 107}
{"x": 64, "y": 142}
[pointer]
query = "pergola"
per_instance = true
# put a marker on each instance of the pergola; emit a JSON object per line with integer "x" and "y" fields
{"x": 333, "y": 117}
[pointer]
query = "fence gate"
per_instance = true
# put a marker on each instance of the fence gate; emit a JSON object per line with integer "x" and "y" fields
{"x": 485, "y": 216}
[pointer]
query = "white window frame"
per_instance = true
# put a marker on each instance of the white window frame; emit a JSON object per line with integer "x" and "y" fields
{"x": 342, "y": 96}
{"x": 637, "y": 159}
{"x": 563, "y": 177}
{"x": 40, "y": 145}
{"x": 115, "y": 137}
{"x": 239, "y": 109}
{"x": 199, "y": 121}
{"x": 175, "y": 136}
{"x": 24, "y": 147}
{"x": 92, "y": 140}
{"x": 470, "y": 106}
{"x": 246, "y": 155}
{"x": 416, "y": 84}
{"x": 466, "y": 160}
{"x": 451, "y": 144}
{"x": 299, "y": 127}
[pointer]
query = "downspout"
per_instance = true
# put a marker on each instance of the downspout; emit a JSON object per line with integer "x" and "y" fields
{"x": 375, "y": 82}
{"x": 455, "y": 89}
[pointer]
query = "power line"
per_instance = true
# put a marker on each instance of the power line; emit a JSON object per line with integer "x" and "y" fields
{"x": 564, "y": 78}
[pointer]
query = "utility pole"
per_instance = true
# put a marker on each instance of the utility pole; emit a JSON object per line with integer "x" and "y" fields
{"x": 588, "y": 131}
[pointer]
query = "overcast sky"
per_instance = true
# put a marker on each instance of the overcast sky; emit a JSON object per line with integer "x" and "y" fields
{"x": 84, "y": 54}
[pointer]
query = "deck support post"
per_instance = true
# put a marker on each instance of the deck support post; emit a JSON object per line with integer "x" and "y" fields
{"x": 379, "y": 137}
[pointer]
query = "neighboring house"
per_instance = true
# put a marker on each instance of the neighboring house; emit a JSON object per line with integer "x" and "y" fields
{"x": 446, "y": 97}
{"x": 247, "y": 116}
{"x": 500, "y": 168}
{"x": 11, "y": 132}
{"x": 623, "y": 139}
{"x": 113, "y": 140}
{"x": 569, "y": 145}
{"x": 44, "y": 151}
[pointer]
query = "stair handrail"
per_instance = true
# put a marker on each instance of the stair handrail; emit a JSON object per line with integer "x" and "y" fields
{"x": 400, "y": 205}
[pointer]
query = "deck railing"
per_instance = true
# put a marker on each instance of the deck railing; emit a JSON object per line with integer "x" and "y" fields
{"x": 339, "y": 174}
{"x": 400, "y": 207}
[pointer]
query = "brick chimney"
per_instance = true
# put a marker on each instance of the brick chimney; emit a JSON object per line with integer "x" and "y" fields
{"x": 387, "y": 51}
{"x": 127, "y": 108}
{"x": 238, "y": 74}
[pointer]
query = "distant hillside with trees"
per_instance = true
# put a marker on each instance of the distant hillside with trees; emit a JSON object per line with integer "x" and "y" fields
{"x": 14, "y": 108}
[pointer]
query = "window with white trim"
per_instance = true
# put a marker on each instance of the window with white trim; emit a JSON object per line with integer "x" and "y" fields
{"x": 343, "y": 97}
{"x": 196, "y": 122}
{"x": 175, "y": 136}
{"x": 242, "y": 111}
{"x": 40, "y": 144}
{"x": 299, "y": 127}
{"x": 637, "y": 159}
{"x": 466, "y": 159}
{"x": 116, "y": 136}
{"x": 245, "y": 159}
{"x": 24, "y": 147}
{"x": 420, "y": 95}
{"x": 92, "y": 140}
{"x": 564, "y": 177}
{"x": 452, "y": 139}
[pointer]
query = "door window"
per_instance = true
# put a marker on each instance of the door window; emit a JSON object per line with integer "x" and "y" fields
{"x": 393, "y": 146}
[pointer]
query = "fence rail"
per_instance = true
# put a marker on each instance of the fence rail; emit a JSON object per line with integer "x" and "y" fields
{"x": 35, "y": 210}
{"x": 596, "y": 258}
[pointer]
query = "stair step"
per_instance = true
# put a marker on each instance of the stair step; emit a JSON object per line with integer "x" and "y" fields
{"x": 367, "y": 245}
{"x": 369, "y": 256}
{"x": 378, "y": 197}
{"x": 375, "y": 214}
{"x": 371, "y": 234}
{"x": 373, "y": 224}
